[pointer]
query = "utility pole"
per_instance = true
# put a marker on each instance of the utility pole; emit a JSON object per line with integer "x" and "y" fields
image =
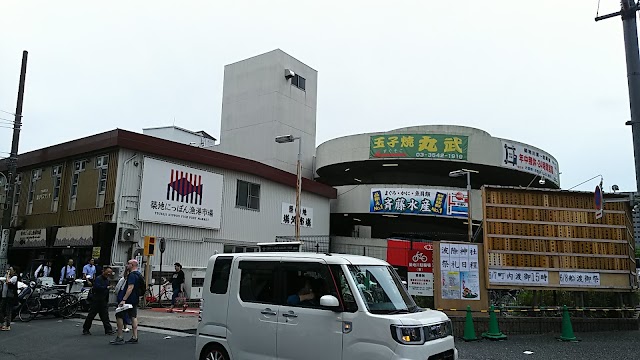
{"x": 629, "y": 26}
{"x": 12, "y": 166}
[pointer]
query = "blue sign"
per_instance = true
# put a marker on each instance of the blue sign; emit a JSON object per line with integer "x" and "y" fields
{"x": 452, "y": 203}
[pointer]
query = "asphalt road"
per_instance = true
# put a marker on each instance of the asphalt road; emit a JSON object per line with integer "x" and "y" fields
{"x": 50, "y": 338}
{"x": 620, "y": 345}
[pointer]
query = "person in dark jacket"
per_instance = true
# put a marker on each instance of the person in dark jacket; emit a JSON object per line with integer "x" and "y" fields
{"x": 9, "y": 296}
{"x": 100, "y": 303}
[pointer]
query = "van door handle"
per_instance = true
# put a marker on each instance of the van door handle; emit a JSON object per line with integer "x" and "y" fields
{"x": 290, "y": 315}
{"x": 268, "y": 311}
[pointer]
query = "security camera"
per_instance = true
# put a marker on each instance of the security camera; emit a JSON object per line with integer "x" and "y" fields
{"x": 542, "y": 181}
{"x": 288, "y": 74}
{"x": 135, "y": 163}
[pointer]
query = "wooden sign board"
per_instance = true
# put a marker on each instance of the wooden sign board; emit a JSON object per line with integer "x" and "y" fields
{"x": 551, "y": 239}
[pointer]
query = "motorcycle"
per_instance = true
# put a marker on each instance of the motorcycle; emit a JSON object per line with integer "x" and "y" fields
{"x": 55, "y": 300}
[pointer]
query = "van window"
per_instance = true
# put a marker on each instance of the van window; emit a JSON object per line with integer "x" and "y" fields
{"x": 258, "y": 282}
{"x": 346, "y": 296}
{"x": 305, "y": 283}
{"x": 220, "y": 275}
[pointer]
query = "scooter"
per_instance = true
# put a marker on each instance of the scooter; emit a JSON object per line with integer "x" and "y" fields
{"x": 26, "y": 307}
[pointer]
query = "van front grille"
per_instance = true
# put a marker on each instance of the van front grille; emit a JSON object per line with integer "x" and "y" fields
{"x": 447, "y": 355}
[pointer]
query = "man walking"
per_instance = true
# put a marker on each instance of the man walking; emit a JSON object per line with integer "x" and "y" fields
{"x": 177, "y": 284}
{"x": 129, "y": 304}
{"x": 100, "y": 303}
{"x": 43, "y": 270}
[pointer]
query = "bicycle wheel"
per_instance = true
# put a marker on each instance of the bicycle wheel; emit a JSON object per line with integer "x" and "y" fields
{"x": 68, "y": 306}
{"x": 165, "y": 299}
{"x": 29, "y": 310}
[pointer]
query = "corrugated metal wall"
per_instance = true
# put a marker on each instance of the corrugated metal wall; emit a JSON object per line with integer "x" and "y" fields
{"x": 236, "y": 224}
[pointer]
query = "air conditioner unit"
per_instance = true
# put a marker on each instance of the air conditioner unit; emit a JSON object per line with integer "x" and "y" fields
{"x": 126, "y": 235}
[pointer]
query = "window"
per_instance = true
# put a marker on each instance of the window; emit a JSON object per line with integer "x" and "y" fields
{"x": 78, "y": 167}
{"x": 35, "y": 176}
{"x": 220, "y": 275}
{"x": 56, "y": 174}
{"x": 299, "y": 82}
{"x": 228, "y": 249}
{"x": 248, "y": 195}
{"x": 258, "y": 282}
{"x": 16, "y": 194}
{"x": 346, "y": 296}
{"x": 305, "y": 283}
{"x": 102, "y": 164}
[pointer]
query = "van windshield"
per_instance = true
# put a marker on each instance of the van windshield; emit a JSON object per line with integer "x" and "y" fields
{"x": 381, "y": 289}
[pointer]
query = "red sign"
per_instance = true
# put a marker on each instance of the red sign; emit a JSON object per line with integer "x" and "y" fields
{"x": 397, "y": 252}
{"x": 421, "y": 259}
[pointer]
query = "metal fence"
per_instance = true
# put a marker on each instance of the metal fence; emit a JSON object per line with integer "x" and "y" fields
{"x": 310, "y": 243}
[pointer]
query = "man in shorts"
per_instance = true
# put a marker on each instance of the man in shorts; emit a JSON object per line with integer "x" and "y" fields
{"x": 131, "y": 298}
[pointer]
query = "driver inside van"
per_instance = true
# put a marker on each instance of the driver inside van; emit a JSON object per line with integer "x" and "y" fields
{"x": 304, "y": 295}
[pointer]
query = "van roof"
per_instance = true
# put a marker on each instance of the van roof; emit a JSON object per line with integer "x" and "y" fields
{"x": 337, "y": 259}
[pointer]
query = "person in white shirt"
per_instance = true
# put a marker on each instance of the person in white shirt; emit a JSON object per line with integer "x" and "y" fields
{"x": 44, "y": 270}
{"x": 68, "y": 273}
{"x": 9, "y": 297}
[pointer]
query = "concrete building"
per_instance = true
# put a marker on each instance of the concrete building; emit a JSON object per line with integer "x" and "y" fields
{"x": 182, "y": 136}
{"x": 266, "y": 96}
{"x": 397, "y": 184}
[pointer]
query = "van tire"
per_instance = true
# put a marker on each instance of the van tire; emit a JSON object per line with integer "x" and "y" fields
{"x": 214, "y": 352}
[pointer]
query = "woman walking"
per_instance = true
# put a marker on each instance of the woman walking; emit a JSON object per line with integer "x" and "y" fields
{"x": 9, "y": 296}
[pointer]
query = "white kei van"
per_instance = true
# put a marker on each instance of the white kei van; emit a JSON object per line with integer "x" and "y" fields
{"x": 314, "y": 306}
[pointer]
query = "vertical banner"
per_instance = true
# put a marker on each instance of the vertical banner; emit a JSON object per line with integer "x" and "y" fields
{"x": 460, "y": 271}
{"x": 420, "y": 269}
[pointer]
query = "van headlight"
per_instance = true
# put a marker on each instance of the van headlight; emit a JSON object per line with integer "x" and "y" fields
{"x": 408, "y": 335}
{"x": 438, "y": 331}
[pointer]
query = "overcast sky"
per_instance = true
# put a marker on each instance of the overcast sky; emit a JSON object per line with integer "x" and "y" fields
{"x": 542, "y": 72}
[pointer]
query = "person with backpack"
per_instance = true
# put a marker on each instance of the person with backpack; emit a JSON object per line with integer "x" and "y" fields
{"x": 129, "y": 304}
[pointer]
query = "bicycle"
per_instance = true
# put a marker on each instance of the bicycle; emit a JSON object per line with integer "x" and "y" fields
{"x": 163, "y": 299}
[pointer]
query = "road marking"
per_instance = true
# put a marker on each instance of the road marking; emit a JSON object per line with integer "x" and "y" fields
{"x": 144, "y": 328}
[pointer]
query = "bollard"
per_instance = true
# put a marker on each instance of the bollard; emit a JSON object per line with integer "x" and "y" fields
{"x": 469, "y": 330}
{"x": 494, "y": 332}
{"x": 567, "y": 328}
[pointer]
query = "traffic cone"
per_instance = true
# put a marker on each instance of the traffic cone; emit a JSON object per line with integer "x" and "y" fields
{"x": 469, "y": 330}
{"x": 494, "y": 332}
{"x": 567, "y": 328}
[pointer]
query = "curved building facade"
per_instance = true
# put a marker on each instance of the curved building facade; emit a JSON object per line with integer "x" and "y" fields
{"x": 398, "y": 183}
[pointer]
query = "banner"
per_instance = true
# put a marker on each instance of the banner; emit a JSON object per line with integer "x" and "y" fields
{"x": 579, "y": 278}
{"x": 459, "y": 265}
{"x": 520, "y": 277}
{"x": 529, "y": 159}
{"x": 419, "y": 201}
{"x": 419, "y": 146}
{"x": 180, "y": 195}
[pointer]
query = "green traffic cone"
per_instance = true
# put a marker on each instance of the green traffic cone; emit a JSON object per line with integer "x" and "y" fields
{"x": 469, "y": 330}
{"x": 493, "y": 333}
{"x": 567, "y": 328}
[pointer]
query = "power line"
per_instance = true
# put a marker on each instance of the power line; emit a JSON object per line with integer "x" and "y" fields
{"x": 6, "y": 112}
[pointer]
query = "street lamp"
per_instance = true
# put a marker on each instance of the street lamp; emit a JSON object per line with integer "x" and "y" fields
{"x": 288, "y": 139}
{"x": 463, "y": 172}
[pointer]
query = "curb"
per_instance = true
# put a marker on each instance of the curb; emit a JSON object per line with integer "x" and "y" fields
{"x": 188, "y": 331}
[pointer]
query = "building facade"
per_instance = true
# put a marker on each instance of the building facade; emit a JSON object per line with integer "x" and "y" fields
{"x": 100, "y": 196}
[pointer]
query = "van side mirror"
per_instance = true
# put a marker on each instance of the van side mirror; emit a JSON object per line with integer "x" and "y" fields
{"x": 330, "y": 301}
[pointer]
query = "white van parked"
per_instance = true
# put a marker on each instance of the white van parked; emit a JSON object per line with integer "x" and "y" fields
{"x": 314, "y": 306}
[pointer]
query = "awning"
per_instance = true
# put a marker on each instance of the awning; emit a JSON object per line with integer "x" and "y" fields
{"x": 74, "y": 236}
{"x": 32, "y": 238}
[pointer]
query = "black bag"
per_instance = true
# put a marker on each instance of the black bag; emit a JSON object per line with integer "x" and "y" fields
{"x": 141, "y": 285}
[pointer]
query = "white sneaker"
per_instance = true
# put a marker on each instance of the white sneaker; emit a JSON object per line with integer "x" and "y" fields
{"x": 126, "y": 330}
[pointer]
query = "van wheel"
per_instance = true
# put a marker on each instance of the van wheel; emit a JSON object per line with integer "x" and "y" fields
{"x": 214, "y": 352}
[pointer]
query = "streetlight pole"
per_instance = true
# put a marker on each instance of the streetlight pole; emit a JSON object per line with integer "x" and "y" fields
{"x": 288, "y": 139}
{"x": 466, "y": 172}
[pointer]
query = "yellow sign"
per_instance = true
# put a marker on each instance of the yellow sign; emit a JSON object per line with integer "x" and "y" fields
{"x": 96, "y": 252}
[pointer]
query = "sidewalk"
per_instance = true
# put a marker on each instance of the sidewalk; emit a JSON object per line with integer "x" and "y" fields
{"x": 160, "y": 319}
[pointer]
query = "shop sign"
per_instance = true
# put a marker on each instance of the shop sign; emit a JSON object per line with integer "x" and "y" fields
{"x": 180, "y": 195}
{"x": 529, "y": 159}
{"x": 419, "y": 146}
{"x": 419, "y": 201}
{"x": 288, "y": 216}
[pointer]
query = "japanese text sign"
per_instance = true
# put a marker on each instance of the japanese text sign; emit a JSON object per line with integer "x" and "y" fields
{"x": 459, "y": 264}
{"x": 420, "y": 146}
{"x": 520, "y": 277}
{"x": 422, "y": 201}
{"x": 288, "y": 216}
{"x": 420, "y": 269}
{"x": 529, "y": 159}
{"x": 180, "y": 195}
{"x": 579, "y": 278}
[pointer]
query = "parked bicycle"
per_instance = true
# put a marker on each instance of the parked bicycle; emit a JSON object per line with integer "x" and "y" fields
{"x": 163, "y": 298}
{"x": 49, "y": 299}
